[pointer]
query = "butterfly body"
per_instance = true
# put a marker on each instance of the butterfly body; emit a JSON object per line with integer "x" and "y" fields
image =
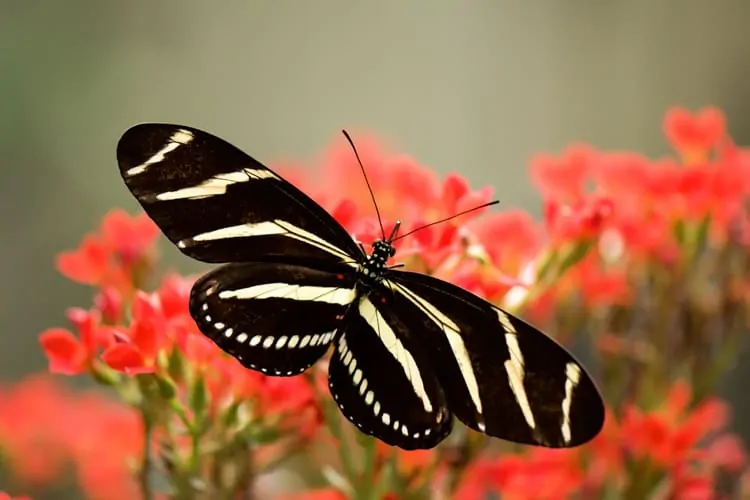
{"x": 410, "y": 351}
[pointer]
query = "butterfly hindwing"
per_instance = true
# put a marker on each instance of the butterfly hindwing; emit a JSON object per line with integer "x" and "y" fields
{"x": 277, "y": 318}
{"x": 383, "y": 381}
{"x": 501, "y": 376}
{"x": 217, "y": 204}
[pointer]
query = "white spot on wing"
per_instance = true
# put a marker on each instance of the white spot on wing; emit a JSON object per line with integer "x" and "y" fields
{"x": 268, "y": 228}
{"x": 331, "y": 295}
{"x": 211, "y": 187}
{"x": 396, "y": 348}
{"x": 451, "y": 331}
{"x": 573, "y": 372}
{"x": 179, "y": 138}
{"x": 242, "y": 337}
{"x": 515, "y": 370}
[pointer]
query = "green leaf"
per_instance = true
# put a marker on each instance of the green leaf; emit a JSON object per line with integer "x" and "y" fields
{"x": 574, "y": 256}
{"x": 701, "y": 235}
{"x": 548, "y": 259}
{"x": 198, "y": 401}
{"x": 167, "y": 388}
{"x": 679, "y": 231}
{"x": 175, "y": 365}
{"x": 104, "y": 375}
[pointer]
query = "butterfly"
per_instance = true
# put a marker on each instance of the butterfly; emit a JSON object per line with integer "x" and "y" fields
{"x": 410, "y": 351}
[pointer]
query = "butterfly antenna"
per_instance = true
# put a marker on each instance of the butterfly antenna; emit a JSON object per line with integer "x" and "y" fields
{"x": 459, "y": 214}
{"x": 369, "y": 188}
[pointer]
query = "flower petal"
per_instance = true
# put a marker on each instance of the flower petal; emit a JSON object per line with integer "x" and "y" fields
{"x": 65, "y": 353}
{"x": 126, "y": 358}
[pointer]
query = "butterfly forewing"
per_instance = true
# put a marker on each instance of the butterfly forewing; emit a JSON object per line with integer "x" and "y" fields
{"x": 501, "y": 376}
{"x": 217, "y": 204}
{"x": 278, "y": 319}
{"x": 383, "y": 381}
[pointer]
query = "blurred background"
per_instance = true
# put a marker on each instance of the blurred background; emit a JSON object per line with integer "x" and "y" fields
{"x": 476, "y": 86}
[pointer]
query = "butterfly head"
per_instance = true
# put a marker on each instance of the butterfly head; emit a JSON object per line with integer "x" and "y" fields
{"x": 382, "y": 251}
{"x": 373, "y": 267}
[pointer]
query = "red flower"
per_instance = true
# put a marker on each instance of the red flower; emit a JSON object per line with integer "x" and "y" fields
{"x": 668, "y": 435}
{"x": 694, "y": 134}
{"x": 145, "y": 335}
{"x": 113, "y": 256}
{"x": 561, "y": 180}
{"x": 89, "y": 264}
{"x": 545, "y": 474}
{"x": 288, "y": 402}
{"x": 71, "y": 355}
{"x": 34, "y": 416}
{"x": 131, "y": 238}
{"x": 622, "y": 176}
{"x": 404, "y": 191}
{"x": 5, "y": 496}
{"x": 688, "y": 484}
{"x": 581, "y": 221}
{"x": 727, "y": 452}
{"x": 106, "y": 471}
{"x": 606, "y": 461}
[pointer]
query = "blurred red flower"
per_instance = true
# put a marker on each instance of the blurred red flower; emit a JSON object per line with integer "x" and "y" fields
{"x": 44, "y": 427}
{"x": 71, "y": 355}
{"x": 5, "y": 496}
{"x": 562, "y": 179}
{"x": 693, "y": 135}
{"x": 668, "y": 434}
{"x": 112, "y": 256}
{"x": 108, "y": 441}
{"x": 404, "y": 190}
{"x": 34, "y": 414}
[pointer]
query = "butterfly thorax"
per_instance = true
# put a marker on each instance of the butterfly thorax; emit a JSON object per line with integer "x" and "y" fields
{"x": 372, "y": 268}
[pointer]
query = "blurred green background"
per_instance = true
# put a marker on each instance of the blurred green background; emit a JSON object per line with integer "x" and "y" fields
{"x": 474, "y": 86}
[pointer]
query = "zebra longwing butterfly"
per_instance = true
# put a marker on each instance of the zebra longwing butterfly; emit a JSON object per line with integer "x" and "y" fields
{"x": 410, "y": 350}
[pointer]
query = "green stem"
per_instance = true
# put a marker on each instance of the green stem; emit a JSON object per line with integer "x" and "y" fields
{"x": 146, "y": 462}
{"x": 368, "y": 472}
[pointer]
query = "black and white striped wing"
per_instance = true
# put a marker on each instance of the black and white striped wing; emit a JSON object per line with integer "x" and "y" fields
{"x": 382, "y": 379}
{"x": 500, "y": 375}
{"x": 275, "y": 318}
{"x": 217, "y": 204}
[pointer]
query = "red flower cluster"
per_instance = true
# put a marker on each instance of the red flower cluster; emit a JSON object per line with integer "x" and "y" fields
{"x": 665, "y": 441}
{"x": 45, "y": 428}
{"x": 158, "y": 326}
{"x": 710, "y": 179}
{"x": 113, "y": 257}
{"x": 404, "y": 190}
